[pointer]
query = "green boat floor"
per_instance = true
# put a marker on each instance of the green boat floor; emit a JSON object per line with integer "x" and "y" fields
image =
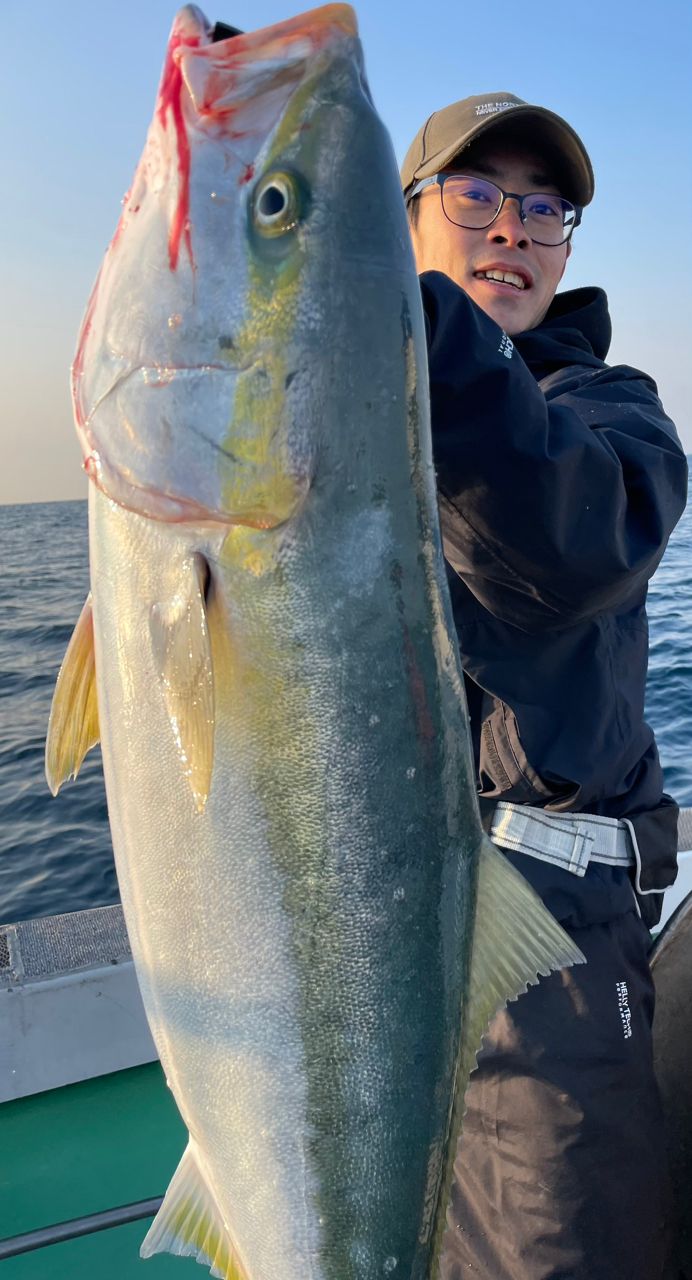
{"x": 82, "y": 1149}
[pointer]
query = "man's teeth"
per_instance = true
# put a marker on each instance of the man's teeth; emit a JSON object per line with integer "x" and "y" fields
{"x": 506, "y": 277}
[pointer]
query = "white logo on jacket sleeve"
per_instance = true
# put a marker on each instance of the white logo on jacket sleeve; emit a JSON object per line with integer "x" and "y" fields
{"x": 506, "y": 346}
{"x": 624, "y": 1007}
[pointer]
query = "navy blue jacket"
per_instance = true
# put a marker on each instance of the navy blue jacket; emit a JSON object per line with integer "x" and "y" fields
{"x": 559, "y": 480}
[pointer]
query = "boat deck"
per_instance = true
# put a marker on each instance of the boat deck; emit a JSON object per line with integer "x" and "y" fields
{"x": 82, "y": 1149}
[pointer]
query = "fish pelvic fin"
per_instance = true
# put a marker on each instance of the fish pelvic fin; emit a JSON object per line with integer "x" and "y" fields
{"x": 516, "y": 941}
{"x": 73, "y": 726}
{"x": 182, "y": 651}
{"x": 190, "y": 1223}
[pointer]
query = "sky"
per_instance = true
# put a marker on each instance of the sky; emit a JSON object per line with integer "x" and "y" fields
{"x": 76, "y": 96}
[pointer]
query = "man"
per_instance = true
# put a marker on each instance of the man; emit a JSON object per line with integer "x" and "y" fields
{"x": 560, "y": 480}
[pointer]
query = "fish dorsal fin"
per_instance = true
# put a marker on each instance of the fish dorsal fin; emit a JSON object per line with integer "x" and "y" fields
{"x": 516, "y": 941}
{"x": 73, "y": 727}
{"x": 190, "y": 1224}
{"x": 182, "y": 652}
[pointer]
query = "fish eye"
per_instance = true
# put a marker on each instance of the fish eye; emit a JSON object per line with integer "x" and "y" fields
{"x": 276, "y": 205}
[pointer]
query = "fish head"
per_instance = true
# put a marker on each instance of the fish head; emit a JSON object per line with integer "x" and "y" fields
{"x": 211, "y": 323}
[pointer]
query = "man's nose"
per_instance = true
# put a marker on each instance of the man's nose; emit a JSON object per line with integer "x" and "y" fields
{"x": 508, "y": 227}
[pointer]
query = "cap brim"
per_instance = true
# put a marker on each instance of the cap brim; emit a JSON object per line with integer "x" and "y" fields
{"x": 535, "y": 126}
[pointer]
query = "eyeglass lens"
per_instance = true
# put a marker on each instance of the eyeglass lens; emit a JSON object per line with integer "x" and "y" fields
{"x": 473, "y": 203}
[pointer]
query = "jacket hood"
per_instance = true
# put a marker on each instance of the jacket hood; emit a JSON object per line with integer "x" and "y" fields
{"x": 576, "y": 330}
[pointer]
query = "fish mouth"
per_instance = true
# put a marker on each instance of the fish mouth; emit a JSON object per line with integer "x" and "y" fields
{"x": 325, "y": 18}
{"x": 210, "y": 56}
{"x": 222, "y": 31}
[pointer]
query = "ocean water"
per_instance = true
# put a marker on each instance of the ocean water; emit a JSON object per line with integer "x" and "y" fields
{"x": 55, "y": 854}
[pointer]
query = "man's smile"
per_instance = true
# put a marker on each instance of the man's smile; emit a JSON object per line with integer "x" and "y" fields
{"x": 505, "y": 276}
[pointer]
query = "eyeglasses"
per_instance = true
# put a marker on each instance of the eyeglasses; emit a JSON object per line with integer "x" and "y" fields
{"x": 475, "y": 203}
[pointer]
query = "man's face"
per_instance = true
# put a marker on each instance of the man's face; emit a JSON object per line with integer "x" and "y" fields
{"x": 464, "y": 254}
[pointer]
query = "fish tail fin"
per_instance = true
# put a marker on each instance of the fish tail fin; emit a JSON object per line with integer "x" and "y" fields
{"x": 190, "y": 1223}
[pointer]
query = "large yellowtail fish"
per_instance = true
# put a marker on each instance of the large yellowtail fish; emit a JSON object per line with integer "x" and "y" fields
{"x": 320, "y": 929}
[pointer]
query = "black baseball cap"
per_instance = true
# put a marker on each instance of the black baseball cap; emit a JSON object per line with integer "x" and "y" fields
{"x": 447, "y": 132}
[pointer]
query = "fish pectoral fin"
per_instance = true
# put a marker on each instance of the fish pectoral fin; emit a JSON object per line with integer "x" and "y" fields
{"x": 190, "y": 1224}
{"x": 73, "y": 726}
{"x": 182, "y": 651}
{"x": 516, "y": 941}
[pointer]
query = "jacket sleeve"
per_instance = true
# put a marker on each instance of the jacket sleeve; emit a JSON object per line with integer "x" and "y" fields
{"x": 552, "y": 510}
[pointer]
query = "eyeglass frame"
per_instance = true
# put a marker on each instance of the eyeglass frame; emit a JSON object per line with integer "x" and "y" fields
{"x": 441, "y": 178}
